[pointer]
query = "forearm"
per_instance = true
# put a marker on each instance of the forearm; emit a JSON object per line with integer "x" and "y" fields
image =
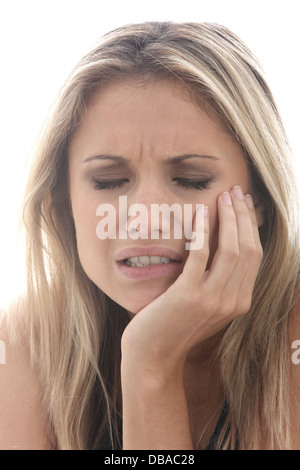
{"x": 155, "y": 412}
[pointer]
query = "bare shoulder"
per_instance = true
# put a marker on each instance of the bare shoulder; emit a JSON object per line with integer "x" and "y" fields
{"x": 22, "y": 424}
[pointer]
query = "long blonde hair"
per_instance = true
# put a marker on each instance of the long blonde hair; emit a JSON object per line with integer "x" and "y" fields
{"x": 75, "y": 329}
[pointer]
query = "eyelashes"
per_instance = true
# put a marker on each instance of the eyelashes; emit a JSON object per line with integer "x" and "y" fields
{"x": 187, "y": 183}
{"x": 193, "y": 184}
{"x": 99, "y": 185}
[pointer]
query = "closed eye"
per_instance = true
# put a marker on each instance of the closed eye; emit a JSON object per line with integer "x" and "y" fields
{"x": 109, "y": 184}
{"x": 186, "y": 183}
{"x": 193, "y": 184}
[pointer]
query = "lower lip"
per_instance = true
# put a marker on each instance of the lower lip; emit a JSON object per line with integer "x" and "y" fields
{"x": 149, "y": 272}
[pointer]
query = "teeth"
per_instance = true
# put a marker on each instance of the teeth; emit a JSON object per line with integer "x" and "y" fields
{"x": 141, "y": 261}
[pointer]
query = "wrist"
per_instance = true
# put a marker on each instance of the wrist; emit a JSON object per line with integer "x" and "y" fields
{"x": 152, "y": 375}
{"x": 154, "y": 360}
{"x": 155, "y": 411}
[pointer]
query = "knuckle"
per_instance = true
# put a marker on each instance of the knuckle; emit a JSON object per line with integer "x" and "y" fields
{"x": 231, "y": 254}
{"x": 228, "y": 308}
{"x": 243, "y": 305}
{"x": 234, "y": 307}
{"x": 259, "y": 252}
{"x": 252, "y": 251}
{"x": 242, "y": 211}
{"x": 229, "y": 250}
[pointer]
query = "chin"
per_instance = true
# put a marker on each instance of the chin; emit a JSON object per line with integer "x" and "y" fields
{"x": 136, "y": 302}
{"x": 135, "y": 307}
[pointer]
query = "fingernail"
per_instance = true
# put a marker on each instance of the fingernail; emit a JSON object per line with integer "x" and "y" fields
{"x": 249, "y": 201}
{"x": 205, "y": 209}
{"x": 237, "y": 191}
{"x": 226, "y": 198}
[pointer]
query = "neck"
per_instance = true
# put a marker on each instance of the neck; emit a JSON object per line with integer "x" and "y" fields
{"x": 202, "y": 372}
{"x": 203, "y": 388}
{"x": 204, "y": 353}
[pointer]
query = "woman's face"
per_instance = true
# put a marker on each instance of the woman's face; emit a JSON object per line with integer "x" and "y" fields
{"x": 153, "y": 145}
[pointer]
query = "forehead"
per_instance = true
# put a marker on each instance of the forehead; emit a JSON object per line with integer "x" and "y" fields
{"x": 165, "y": 99}
{"x": 160, "y": 116}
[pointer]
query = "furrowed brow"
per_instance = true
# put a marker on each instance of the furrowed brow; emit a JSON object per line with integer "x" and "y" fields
{"x": 114, "y": 158}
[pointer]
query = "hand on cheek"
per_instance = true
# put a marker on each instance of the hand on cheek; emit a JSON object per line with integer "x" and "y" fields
{"x": 206, "y": 296}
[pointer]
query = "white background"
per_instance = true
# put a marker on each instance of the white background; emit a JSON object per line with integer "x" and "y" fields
{"x": 41, "y": 40}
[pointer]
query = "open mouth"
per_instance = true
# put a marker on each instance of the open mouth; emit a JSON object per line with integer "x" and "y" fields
{"x": 149, "y": 263}
{"x": 146, "y": 263}
{"x": 144, "y": 260}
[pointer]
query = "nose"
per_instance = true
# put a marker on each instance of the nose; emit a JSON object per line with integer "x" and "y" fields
{"x": 150, "y": 189}
{"x": 153, "y": 212}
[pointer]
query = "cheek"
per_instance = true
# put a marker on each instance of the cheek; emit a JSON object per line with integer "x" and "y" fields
{"x": 91, "y": 250}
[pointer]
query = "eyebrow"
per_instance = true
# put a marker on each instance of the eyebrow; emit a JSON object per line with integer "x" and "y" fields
{"x": 106, "y": 157}
{"x": 172, "y": 160}
{"x": 181, "y": 158}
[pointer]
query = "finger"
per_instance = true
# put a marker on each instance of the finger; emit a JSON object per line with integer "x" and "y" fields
{"x": 198, "y": 250}
{"x": 242, "y": 279}
{"x": 244, "y": 297}
{"x": 245, "y": 224}
{"x": 227, "y": 253}
{"x": 252, "y": 213}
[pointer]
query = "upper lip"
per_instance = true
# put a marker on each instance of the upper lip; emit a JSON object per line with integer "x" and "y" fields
{"x": 148, "y": 251}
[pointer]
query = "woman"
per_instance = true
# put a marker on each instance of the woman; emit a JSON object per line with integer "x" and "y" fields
{"x": 109, "y": 352}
